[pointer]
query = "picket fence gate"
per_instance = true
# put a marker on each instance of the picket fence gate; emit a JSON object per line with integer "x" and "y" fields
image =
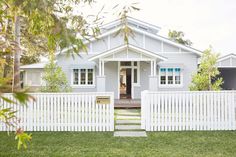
{"x": 63, "y": 112}
{"x": 188, "y": 110}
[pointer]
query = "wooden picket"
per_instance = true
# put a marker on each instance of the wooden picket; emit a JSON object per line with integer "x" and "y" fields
{"x": 188, "y": 110}
{"x": 62, "y": 112}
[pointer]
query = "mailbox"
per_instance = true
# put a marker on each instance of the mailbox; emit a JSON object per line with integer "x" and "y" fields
{"x": 103, "y": 100}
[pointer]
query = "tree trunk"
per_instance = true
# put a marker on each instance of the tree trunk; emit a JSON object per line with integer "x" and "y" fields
{"x": 7, "y": 67}
{"x": 16, "y": 79}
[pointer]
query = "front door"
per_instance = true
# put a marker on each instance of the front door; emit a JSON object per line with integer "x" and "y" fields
{"x": 125, "y": 83}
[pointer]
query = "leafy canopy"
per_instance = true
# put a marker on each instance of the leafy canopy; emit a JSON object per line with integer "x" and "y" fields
{"x": 44, "y": 25}
{"x": 8, "y": 116}
{"x": 55, "y": 79}
{"x": 207, "y": 77}
{"x": 123, "y": 12}
{"x": 178, "y": 36}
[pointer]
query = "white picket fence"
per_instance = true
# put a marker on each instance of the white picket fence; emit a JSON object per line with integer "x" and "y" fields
{"x": 63, "y": 112}
{"x": 176, "y": 111}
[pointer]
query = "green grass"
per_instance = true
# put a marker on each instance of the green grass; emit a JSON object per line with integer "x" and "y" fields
{"x": 222, "y": 143}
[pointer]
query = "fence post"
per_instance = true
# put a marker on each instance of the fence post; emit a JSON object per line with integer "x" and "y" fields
{"x": 233, "y": 109}
{"x": 143, "y": 109}
{"x": 29, "y": 110}
{"x": 112, "y": 112}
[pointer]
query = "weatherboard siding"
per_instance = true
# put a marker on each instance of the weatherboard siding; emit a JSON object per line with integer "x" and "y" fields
{"x": 137, "y": 39}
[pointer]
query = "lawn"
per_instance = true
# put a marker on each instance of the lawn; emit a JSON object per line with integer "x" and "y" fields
{"x": 222, "y": 143}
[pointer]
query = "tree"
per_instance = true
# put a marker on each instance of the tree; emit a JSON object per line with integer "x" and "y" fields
{"x": 17, "y": 53}
{"x": 125, "y": 30}
{"x": 50, "y": 22}
{"x": 178, "y": 36}
{"x": 207, "y": 77}
{"x": 53, "y": 21}
{"x": 55, "y": 79}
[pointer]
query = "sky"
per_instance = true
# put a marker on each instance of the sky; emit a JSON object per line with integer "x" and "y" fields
{"x": 205, "y": 22}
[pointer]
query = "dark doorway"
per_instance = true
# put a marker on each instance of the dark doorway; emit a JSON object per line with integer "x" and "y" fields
{"x": 125, "y": 83}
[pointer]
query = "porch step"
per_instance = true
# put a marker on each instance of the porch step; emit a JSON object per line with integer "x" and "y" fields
{"x": 128, "y": 117}
{"x": 128, "y": 127}
{"x": 130, "y": 134}
{"x": 129, "y": 112}
{"x": 128, "y": 122}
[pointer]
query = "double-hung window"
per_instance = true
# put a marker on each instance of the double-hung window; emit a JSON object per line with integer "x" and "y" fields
{"x": 170, "y": 76}
{"x": 163, "y": 76}
{"x": 177, "y": 76}
{"x": 83, "y": 77}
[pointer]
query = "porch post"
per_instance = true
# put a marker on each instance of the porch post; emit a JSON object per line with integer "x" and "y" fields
{"x": 153, "y": 78}
{"x": 101, "y": 78}
{"x": 151, "y": 68}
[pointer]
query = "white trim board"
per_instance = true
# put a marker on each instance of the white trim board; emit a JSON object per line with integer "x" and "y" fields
{"x": 131, "y": 47}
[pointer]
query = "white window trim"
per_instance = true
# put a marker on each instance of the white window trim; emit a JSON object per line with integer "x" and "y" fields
{"x": 171, "y": 85}
{"x": 86, "y": 85}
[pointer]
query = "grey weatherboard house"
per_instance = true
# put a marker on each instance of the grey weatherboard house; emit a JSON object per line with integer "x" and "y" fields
{"x": 148, "y": 62}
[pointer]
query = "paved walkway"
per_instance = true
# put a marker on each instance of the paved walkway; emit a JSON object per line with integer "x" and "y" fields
{"x": 128, "y": 123}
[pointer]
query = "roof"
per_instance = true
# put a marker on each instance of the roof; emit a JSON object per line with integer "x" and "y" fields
{"x": 227, "y": 61}
{"x": 114, "y": 27}
{"x": 40, "y": 65}
{"x": 135, "y": 22}
{"x": 130, "y": 47}
{"x": 231, "y": 55}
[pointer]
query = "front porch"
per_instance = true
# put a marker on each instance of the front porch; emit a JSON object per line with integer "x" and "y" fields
{"x": 127, "y": 70}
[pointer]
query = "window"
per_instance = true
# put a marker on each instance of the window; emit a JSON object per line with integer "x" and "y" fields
{"x": 135, "y": 67}
{"x": 177, "y": 75}
{"x": 163, "y": 76}
{"x": 135, "y": 75}
{"x": 125, "y": 63}
{"x": 34, "y": 78}
{"x": 22, "y": 79}
{"x": 83, "y": 76}
{"x": 76, "y": 78}
{"x": 170, "y": 76}
{"x": 90, "y": 76}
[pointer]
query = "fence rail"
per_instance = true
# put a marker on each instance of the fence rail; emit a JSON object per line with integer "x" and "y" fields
{"x": 63, "y": 112}
{"x": 175, "y": 111}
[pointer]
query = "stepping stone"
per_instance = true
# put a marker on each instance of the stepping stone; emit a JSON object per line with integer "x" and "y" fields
{"x": 128, "y": 121}
{"x": 128, "y": 117}
{"x": 128, "y": 112}
{"x": 128, "y": 127}
{"x": 130, "y": 134}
